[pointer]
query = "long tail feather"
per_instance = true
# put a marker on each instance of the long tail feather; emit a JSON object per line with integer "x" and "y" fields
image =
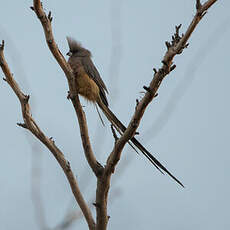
{"x": 99, "y": 115}
{"x": 121, "y": 128}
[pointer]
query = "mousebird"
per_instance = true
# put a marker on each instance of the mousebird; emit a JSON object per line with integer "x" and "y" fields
{"x": 90, "y": 85}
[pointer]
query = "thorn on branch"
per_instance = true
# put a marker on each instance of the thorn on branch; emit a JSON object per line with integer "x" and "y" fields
{"x": 32, "y": 8}
{"x": 68, "y": 168}
{"x": 137, "y": 103}
{"x": 26, "y": 99}
{"x": 186, "y": 45}
{"x": 96, "y": 205}
{"x": 137, "y": 133}
{"x": 156, "y": 95}
{"x": 50, "y": 17}
{"x": 175, "y": 38}
{"x": 168, "y": 45}
{"x": 4, "y": 79}
{"x": 146, "y": 88}
{"x": 177, "y": 34}
{"x": 51, "y": 138}
{"x": 172, "y": 67}
{"x": 155, "y": 70}
{"x": 178, "y": 28}
{"x": 23, "y": 125}
{"x": 71, "y": 96}
{"x": 68, "y": 95}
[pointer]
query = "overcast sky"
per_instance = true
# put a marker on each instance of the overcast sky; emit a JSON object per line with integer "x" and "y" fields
{"x": 186, "y": 127}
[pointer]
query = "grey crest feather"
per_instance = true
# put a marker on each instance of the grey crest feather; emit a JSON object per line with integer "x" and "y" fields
{"x": 75, "y": 47}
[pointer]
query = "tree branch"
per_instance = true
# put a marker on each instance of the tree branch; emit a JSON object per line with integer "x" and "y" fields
{"x": 176, "y": 46}
{"x": 30, "y": 124}
{"x": 46, "y": 23}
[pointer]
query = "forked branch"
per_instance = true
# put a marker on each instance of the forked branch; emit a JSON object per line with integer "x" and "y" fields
{"x": 175, "y": 47}
{"x": 31, "y": 125}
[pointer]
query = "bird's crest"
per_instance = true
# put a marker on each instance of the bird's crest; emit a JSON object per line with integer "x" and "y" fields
{"x": 76, "y": 47}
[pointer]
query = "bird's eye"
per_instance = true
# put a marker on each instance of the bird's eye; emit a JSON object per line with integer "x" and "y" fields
{"x": 69, "y": 53}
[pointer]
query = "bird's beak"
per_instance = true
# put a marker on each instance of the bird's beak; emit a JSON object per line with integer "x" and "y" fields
{"x": 69, "y": 53}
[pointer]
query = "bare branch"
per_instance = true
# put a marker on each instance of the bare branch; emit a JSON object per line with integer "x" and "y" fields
{"x": 30, "y": 124}
{"x": 176, "y": 46}
{"x": 46, "y": 23}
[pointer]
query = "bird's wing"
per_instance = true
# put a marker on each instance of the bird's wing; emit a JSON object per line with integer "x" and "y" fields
{"x": 92, "y": 72}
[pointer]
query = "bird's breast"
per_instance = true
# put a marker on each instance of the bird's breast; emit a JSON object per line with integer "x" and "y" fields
{"x": 86, "y": 86}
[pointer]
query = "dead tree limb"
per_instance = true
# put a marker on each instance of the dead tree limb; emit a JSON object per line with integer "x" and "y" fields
{"x": 175, "y": 47}
{"x": 31, "y": 125}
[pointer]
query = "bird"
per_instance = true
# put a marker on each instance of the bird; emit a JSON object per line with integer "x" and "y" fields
{"x": 90, "y": 85}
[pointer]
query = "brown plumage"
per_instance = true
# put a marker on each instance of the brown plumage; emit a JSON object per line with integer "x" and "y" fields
{"x": 90, "y": 85}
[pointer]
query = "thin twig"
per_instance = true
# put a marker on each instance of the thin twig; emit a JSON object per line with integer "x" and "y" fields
{"x": 31, "y": 125}
{"x": 176, "y": 47}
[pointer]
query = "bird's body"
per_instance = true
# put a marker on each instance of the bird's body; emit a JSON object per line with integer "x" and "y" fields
{"x": 86, "y": 86}
{"x": 90, "y": 85}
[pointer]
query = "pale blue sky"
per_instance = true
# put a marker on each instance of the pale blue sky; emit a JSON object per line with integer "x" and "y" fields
{"x": 186, "y": 127}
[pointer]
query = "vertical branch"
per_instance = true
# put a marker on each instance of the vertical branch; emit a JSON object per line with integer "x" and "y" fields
{"x": 46, "y": 24}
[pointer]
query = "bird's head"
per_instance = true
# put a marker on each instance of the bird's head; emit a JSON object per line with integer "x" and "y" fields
{"x": 75, "y": 48}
